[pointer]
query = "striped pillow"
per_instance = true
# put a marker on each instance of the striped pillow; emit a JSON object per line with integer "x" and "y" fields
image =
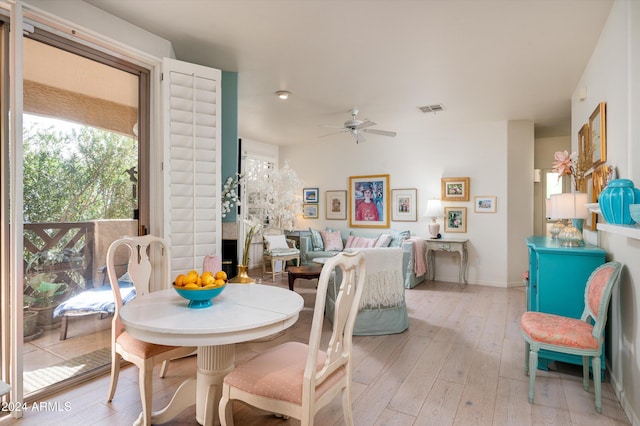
{"x": 360, "y": 242}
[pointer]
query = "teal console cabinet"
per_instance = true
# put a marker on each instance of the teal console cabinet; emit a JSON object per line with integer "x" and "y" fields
{"x": 557, "y": 280}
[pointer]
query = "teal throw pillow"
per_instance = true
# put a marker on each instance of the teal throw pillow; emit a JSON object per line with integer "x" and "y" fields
{"x": 398, "y": 237}
{"x": 316, "y": 240}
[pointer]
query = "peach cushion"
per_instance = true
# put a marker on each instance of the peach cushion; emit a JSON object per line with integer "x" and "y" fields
{"x": 558, "y": 330}
{"x": 332, "y": 240}
{"x": 139, "y": 348}
{"x": 278, "y": 373}
{"x": 597, "y": 285}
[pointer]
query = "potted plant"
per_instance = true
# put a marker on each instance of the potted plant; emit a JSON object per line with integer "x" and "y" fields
{"x": 42, "y": 294}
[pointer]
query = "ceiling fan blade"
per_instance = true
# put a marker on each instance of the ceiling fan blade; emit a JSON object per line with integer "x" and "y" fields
{"x": 331, "y": 126}
{"x": 365, "y": 124}
{"x": 380, "y": 132}
{"x": 332, "y": 133}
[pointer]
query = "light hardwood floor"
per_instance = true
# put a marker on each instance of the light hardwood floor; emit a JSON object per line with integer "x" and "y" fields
{"x": 459, "y": 363}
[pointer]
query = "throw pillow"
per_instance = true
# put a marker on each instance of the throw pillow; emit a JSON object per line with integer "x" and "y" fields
{"x": 398, "y": 237}
{"x": 383, "y": 240}
{"x": 332, "y": 240}
{"x": 316, "y": 240}
{"x": 359, "y": 242}
{"x": 276, "y": 242}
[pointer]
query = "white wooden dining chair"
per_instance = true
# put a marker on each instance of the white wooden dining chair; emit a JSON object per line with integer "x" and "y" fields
{"x": 295, "y": 379}
{"x": 142, "y": 354}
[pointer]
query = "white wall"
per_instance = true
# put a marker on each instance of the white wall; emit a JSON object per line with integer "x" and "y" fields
{"x": 612, "y": 76}
{"x": 419, "y": 161}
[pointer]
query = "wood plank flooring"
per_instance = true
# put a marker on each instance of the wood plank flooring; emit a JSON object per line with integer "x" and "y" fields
{"x": 459, "y": 363}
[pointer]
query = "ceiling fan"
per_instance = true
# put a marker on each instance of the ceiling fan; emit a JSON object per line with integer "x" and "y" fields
{"x": 358, "y": 127}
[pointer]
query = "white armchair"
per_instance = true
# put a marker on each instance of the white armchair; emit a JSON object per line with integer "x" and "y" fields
{"x": 277, "y": 248}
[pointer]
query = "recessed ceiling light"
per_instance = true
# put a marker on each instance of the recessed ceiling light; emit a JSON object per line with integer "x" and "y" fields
{"x": 283, "y": 94}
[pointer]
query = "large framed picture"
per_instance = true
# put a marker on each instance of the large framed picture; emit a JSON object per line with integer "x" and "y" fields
{"x": 310, "y": 195}
{"x": 310, "y": 211}
{"x": 455, "y": 189}
{"x": 455, "y": 219}
{"x": 336, "y": 205}
{"x": 598, "y": 134}
{"x": 404, "y": 205}
{"x": 484, "y": 204}
{"x": 369, "y": 201}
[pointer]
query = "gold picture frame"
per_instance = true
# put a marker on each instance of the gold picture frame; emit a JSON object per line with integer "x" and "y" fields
{"x": 369, "y": 210}
{"x": 598, "y": 134}
{"x": 455, "y": 189}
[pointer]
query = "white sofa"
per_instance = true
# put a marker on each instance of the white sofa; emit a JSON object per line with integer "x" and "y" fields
{"x": 382, "y": 308}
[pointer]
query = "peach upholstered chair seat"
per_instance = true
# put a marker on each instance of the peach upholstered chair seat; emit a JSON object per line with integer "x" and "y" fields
{"x": 142, "y": 354}
{"x": 582, "y": 336}
{"x": 295, "y": 379}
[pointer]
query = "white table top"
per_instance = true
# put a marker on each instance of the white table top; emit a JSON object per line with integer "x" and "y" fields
{"x": 241, "y": 312}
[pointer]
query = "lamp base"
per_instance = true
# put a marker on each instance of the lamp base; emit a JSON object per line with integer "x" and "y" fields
{"x": 556, "y": 228}
{"x": 434, "y": 229}
{"x": 570, "y": 236}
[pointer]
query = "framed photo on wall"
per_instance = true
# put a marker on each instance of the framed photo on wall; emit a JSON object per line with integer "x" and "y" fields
{"x": 598, "y": 133}
{"x": 484, "y": 204}
{"x": 336, "y": 208}
{"x": 369, "y": 201}
{"x": 455, "y": 189}
{"x": 455, "y": 219}
{"x": 310, "y": 195}
{"x": 592, "y": 218}
{"x": 310, "y": 211}
{"x": 404, "y": 205}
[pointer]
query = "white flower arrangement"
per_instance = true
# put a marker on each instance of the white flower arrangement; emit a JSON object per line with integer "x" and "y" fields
{"x": 230, "y": 197}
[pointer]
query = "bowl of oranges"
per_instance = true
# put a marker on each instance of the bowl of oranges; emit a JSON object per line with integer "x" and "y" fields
{"x": 199, "y": 289}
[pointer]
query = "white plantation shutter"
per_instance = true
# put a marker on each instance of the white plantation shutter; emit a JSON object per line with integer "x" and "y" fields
{"x": 193, "y": 224}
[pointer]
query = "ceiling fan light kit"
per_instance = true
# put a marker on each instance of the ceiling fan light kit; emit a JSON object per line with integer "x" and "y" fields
{"x": 358, "y": 127}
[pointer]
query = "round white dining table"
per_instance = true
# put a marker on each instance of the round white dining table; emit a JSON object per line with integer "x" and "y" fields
{"x": 242, "y": 312}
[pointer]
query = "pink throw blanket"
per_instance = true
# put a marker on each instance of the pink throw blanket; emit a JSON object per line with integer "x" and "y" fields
{"x": 419, "y": 250}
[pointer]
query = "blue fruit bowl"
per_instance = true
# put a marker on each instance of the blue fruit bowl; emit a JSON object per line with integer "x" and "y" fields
{"x": 199, "y": 297}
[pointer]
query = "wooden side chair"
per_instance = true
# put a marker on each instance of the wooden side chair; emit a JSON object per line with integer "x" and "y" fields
{"x": 277, "y": 248}
{"x": 142, "y": 354}
{"x": 295, "y": 379}
{"x": 582, "y": 336}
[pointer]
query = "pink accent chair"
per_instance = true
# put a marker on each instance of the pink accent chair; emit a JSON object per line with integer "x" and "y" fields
{"x": 142, "y": 354}
{"x": 582, "y": 336}
{"x": 294, "y": 379}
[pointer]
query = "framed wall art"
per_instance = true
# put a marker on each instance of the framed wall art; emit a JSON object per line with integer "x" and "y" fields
{"x": 369, "y": 201}
{"x": 598, "y": 133}
{"x": 585, "y": 150}
{"x": 336, "y": 205}
{"x": 310, "y": 211}
{"x": 310, "y": 195}
{"x": 592, "y": 218}
{"x": 455, "y": 219}
{"x": 484, "y": 204}
{"x": 455, "y": 189}
{"x": 404, "y": 205}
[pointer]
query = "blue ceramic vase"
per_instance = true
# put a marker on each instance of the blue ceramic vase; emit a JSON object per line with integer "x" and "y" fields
{"x": 615, "y": 199}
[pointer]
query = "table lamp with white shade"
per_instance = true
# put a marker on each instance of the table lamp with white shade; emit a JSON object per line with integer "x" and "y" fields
{"x": 571, "y": 206}
{"x": 434, "y": 211}
{"x": 551, "y": 204}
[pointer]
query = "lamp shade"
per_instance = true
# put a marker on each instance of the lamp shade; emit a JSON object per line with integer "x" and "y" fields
{"x": 434, "y": 209}
{"x": 569, "y": 206}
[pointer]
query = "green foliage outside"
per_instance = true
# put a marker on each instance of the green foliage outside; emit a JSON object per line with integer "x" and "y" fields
{"x": 77, "y": 175}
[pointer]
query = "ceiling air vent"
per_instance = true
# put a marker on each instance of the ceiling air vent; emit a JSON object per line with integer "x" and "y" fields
{"x": 432, "y": 108}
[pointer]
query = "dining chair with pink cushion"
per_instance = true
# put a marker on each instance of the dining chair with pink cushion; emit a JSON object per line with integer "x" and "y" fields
{"x": 142, "y": 354}
{"x": 295, "y": 379}
{"x": 583, "y": 336}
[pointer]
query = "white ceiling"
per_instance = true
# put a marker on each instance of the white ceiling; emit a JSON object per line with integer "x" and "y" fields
{"x": 481, "y": 59}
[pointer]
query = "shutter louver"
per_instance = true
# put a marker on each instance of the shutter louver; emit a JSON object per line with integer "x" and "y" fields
{"x": 192, "y": 167}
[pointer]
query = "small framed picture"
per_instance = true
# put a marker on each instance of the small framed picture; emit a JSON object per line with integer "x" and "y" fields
{"x": 455, "y": 219}
{"x": 484, "y": 204}
{"x": 598, "y": 133}
{"x": 310, "y": 211}
{"x": 404, "y": 205}
{"x": 455, "y": 189}
{"x": 336, "y": 205}
{"x": 310, "y": 195}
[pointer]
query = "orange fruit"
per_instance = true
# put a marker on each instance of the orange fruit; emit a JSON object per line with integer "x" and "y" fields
{"x": 191, "y": 285}
{"x": 221, "y": 275}
{"x": 219, "y": 283}
{"x": 207, "y": 280}
{"x": 180, "y": 280}
{"x": 191, "y": 277}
